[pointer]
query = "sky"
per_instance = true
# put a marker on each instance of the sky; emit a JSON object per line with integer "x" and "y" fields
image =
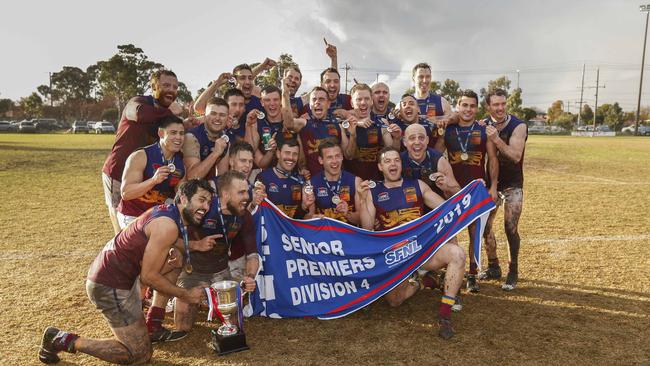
{"x": 471, "y": 42}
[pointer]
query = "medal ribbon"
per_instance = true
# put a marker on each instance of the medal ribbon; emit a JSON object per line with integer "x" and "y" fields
{"x": 463, "y": 147}
{"x": 293, "y": 177}
{"x": 224, "y": 229}
{"x": 337, "y": 188}
{"x": 186, "y": 241}
{"x": 213, "y": 304}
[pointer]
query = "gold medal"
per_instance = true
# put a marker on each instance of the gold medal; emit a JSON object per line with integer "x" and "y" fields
{"x": 441, "y": 131}
{"x": 309, "y": 189}
{"x": 188, "y": 268}
{"x": 464, "y": 156}
{"x": 172, "y": 167}
{"x": 345, "y": 124}
{"x": 260, "y": 115}
{"x": 336, "y": 200}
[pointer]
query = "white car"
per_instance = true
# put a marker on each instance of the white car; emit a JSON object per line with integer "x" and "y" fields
{"x": 643, "y": 130}
{"x": 104, "y": 127}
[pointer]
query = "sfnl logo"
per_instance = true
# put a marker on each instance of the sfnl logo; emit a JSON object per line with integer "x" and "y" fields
{"x": 401, "y": 251}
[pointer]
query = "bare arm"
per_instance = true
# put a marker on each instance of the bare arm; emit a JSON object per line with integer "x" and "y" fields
{"x": 263, "y": 159}
{"x": 197, "y": 168}
{"x": 440, "y": 144}
{"x": 133, "y": 185}
{"x": 289, "y": 122}
{"x": 252, "y": 136}
{"x": 493, "y": 168}
{"x": 349, "y": 143}
{"x": 447, "y": 183}
{"x": 366, "y": 208}
{"x": 332, "y": 53}
{"x": 202, "y": 100}
{"x": 354, "y": 217}
{"x": 162, "y": 233}
{"x": 515, "y": 148}
{"x": 431, "y": 199}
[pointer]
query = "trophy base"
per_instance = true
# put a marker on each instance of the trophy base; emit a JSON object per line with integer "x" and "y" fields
{"x": 223, "y": 345}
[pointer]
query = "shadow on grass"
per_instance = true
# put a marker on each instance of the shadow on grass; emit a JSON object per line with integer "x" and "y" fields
{"x": 546, "y": 324}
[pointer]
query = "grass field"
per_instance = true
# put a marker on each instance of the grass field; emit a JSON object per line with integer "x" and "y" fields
{"x": 583, "y": 298}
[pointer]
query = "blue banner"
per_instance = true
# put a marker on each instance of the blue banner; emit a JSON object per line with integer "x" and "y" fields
{"x": 328, "y": 269}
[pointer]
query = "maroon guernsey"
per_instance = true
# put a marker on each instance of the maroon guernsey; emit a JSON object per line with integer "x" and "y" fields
{"x": 134, "y": 134}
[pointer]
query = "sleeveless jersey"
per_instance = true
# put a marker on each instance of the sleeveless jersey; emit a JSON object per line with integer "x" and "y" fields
{"x": 325, "y": 190}
{"x": 511, "y": 174}
{"x": 241, "y": 239}
{"x": 369, "y": 142}
{"x": 286, "y": 193}
{"x": 314, "y": 132}
{"x": 430, "y": 128}
{"x": 296, "y": 106}
{"x": 119, "y": 263}
{"x": 414, "y": 170}
{"x": 342, "y": 101}
{"x": 395, "y": 206}
{"x": 473, "y": 140}
{"x": 430, "y": 106}
{"x": 206, "y": 146}
{"x": 161, "y": 191}
{"x": 265, "y": 126}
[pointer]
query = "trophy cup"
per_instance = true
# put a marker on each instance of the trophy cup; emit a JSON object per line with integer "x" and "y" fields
{"x": 225, "y": 301}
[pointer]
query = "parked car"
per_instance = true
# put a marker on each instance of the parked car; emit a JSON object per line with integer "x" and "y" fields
{"x": 45, "y": 124}
{"x": 5, "y": 126}
{"x": 80, "y": 126}
{"x": 26, "y": 126}
{"x": 643, "y": 130}
{"x": 536, "y": 130}
{"x": 104, "y": 127}
{"x": 91, "y": 126}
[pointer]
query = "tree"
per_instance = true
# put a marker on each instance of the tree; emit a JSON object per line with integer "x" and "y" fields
{"x": 529, "y": 113}
{"x": 610, "y": 114}
{"x": 126, "y": 74}
{"x": 5, "y": 106}
{"x": 565, "y": 120}
{"x": 272, "y": 77}
{"x": 513, "y": 104}
{"x": 110, "y": 114}
{"x": 500, "y": 83}
{"x": 183, "y": 95}
{"x": 32, "y": 105}
{"x": 555, "y": 111}
{"x": 450, "y": 90}
{"x": 587, "y": 114}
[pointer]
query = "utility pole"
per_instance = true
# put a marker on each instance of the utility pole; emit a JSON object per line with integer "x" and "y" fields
{"x": 377, "y": 78}
{"x": 582, "y": 90}
{"x": 596, "y": 103}
{"x": 646, "y": 9}
{"x": 347, "y": 68}
{"x": 51, "y": 103}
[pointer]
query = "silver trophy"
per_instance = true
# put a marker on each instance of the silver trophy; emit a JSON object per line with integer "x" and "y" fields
{"x": 230, "y": 336}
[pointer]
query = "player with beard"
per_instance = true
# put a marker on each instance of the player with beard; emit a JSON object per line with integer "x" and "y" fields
{"x": 270, "y": 125}
{"x": 335, "y": 189}
{"x": 227, "y": 224}
{"x": 468, "y": 149}
{"x": 397, "y": 200}
{"x": 509, "y": 135}
{"x": 143, "y": 250}
{"x": 422, "y": 162}
{"x": 205, "y": 145}
{"x": 241, "y": 160}
{"x": 318, "y": 127}
{"x": 152, "y": 174}
{"x": 286, "y": 188}
{"x": 372, "y": 134}
{"x": 138, "y": 128}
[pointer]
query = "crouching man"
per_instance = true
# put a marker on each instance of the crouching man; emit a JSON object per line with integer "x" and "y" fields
{"x": 143, "y": 251}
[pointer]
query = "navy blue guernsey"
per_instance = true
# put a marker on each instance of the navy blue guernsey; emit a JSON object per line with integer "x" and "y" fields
{"x": 284, "y": 192}
{"x": 511, "y": 174}
{"x": 395, "y": 206}
{"x": 161, "y": 191}
{"x": 430, "y": 106}
{"x": 414, "y": 170}
{"x": 325, "y": 190}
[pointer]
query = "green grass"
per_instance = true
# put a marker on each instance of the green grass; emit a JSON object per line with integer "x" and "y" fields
{"x": 584, "y": 295}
